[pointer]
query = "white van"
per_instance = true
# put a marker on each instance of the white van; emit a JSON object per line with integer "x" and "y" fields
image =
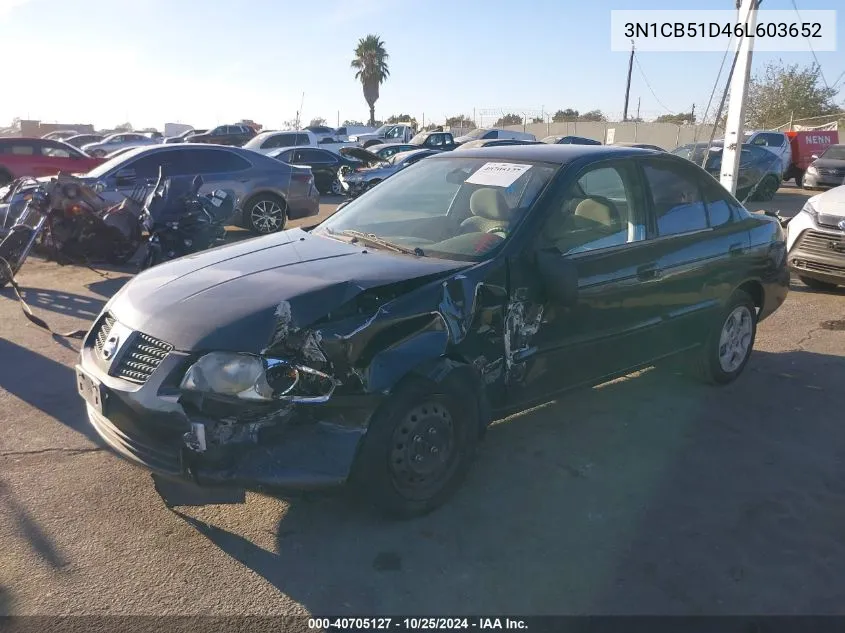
{"x": 495, "y": 133}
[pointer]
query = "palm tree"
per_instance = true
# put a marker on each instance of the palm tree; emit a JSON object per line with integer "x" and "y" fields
{"x": 370, "y": 64}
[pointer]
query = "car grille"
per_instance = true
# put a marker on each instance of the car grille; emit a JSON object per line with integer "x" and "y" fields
{"x": 103, "y": 332}
{"x": 838, "y": 171}
{"x": 142, "y": 355}
{"x": 820, "y": 243}
{"x": 823, "y": 268}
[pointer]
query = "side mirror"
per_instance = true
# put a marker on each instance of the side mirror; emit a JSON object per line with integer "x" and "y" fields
{"x": 814, "y": 156}
{"x": 559, "y": 276}
{"x": 125, "y": 177}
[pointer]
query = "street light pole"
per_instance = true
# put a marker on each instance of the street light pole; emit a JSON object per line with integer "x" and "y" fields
{"x": 736, "y": 104}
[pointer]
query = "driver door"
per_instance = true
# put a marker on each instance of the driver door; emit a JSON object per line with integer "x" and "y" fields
{"x": 599, "y": 226}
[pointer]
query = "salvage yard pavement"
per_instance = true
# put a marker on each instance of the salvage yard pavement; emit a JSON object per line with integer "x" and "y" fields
{"x": 650, "y": 494}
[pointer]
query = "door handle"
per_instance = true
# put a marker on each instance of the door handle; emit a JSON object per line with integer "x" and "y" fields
{"x": 736, "y": 250}
{"x": 648, "y": 271}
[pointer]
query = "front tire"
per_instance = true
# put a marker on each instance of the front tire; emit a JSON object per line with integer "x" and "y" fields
{"x": 265, "y": 214}
{"x": 815, "y": 284}
{"x": 336, "y": 189}
{"x": 417, "y": 450}
{"x": 728, "y": 347}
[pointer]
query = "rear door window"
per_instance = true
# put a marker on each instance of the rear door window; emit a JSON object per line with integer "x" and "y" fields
{"x": 677, "y": 200}
{"x": 491, "y": 134}
{"x": 217, "y": 161}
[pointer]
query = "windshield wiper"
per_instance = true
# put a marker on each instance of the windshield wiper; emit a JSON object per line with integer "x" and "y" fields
{"x": 374, "y": 240}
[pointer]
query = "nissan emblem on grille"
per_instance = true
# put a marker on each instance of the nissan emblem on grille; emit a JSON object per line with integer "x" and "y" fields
{"x": 110, "y": 347}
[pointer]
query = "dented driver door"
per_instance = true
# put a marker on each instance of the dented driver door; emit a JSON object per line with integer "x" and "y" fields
{"x": 597, "y": 230}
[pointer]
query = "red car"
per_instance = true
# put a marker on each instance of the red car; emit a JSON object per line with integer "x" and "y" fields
{"x": 38, "y": 157}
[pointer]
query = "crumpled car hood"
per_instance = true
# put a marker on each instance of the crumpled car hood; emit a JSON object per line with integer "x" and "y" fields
{"x": 229, "y": 298}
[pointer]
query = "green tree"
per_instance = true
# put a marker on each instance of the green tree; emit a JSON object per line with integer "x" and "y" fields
{"x": 317, "y": 121}
{"x": 508, "y": 119}
{"x": 460, "y": 120}
{"x": 781, "y": 92}
{"x": 370, "y": 64}
{"x": 562, "y": 116}
{"x": 593, "y": 115}
{"x": 124, "y": 127}
{"x": 537, "y": 119}
{"x": 400, "y": 118}
{"x": 681, "y": 118}
{"x": 351, "y": 122}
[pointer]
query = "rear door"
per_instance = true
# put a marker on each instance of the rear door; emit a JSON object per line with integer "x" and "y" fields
{"x": 697, "y": 243}
{"x": 323, "y": 165}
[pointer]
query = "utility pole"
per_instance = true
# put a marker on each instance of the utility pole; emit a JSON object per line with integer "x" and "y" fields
{"x": 692, "y": 114}
{"x": 736, "y": 104}
{"x": 628, "y": 84}
{"x": 638, "y": 108}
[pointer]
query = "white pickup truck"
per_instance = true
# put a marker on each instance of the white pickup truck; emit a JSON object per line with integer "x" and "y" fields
{"x": 267, "y": 142}
{"x": 388, "y": 133}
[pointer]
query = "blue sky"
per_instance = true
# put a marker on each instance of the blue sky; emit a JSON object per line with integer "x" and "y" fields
{"x": 205, "y": 62}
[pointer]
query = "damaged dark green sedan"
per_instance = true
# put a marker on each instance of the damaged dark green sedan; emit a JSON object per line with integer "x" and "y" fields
{"x": 375, "y": 349}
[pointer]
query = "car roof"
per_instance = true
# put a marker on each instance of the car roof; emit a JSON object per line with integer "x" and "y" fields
{"x": 559, "y": 154}
{"x": 414, "y": 152}
{"x": 277, "y": 150}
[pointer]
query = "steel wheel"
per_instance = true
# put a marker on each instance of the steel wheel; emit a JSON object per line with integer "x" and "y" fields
{"x": 423, "y": 453}
{"x": 735, "y": 339}
{"x": 266, "y": 215}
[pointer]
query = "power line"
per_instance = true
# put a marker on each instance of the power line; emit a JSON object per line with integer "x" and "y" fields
{"x": 810, "y": 45}
{"x": 713, "y": 92}
{"x": 642, "y": 72}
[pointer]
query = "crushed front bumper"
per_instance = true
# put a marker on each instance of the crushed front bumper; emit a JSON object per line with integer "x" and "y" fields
{"x": 134, "y": 405}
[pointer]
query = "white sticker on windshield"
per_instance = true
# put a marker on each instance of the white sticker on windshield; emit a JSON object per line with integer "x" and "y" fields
{"x": 498, "y": 174}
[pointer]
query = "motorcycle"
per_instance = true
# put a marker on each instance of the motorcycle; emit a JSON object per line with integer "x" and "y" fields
{"x": 71, "y": 221}
{"x": 180, "y": 221}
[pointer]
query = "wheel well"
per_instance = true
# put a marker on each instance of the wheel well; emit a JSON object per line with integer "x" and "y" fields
{"x": 754, "y": 289}
{"x": 268, "y": 194}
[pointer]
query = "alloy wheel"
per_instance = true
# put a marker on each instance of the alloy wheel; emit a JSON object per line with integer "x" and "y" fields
{"x": 267, "y": 216}
{"x": 336, "y": 188}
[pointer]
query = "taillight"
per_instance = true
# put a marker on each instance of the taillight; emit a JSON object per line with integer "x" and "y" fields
{"x": 303, "y": 178}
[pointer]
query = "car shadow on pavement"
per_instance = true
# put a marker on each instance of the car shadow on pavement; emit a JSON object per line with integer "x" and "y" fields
{"x": 43, "y": 383}
{"x": 650, "y": 494}
{"x": 28, "y": 528}
{"x": 67, "y": 303}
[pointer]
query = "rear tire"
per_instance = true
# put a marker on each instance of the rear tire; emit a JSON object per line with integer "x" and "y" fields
{"x": 799, "y": 180}
{"x": 767, "y": 189}
{"x": 729, "y": 344}
{"x": 417, "y": 450}
{"x": 265, "y": 214}
{"x": 815, "y": 284}
{"x": 12, "y": 252}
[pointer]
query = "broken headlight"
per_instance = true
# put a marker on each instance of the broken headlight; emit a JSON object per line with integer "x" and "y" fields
{"x": 256, "y": 378}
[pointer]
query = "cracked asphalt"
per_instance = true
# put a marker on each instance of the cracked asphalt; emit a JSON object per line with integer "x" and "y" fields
{"x": 647, "y": 495}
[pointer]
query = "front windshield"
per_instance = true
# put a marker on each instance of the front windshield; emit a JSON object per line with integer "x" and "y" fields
{"x": 476, "y": 133}
{"x": 445, "y": 207}
{"x": 419, "y": 139}
{"x": 383, "y": 129}
{"x": 836, "y": 152}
